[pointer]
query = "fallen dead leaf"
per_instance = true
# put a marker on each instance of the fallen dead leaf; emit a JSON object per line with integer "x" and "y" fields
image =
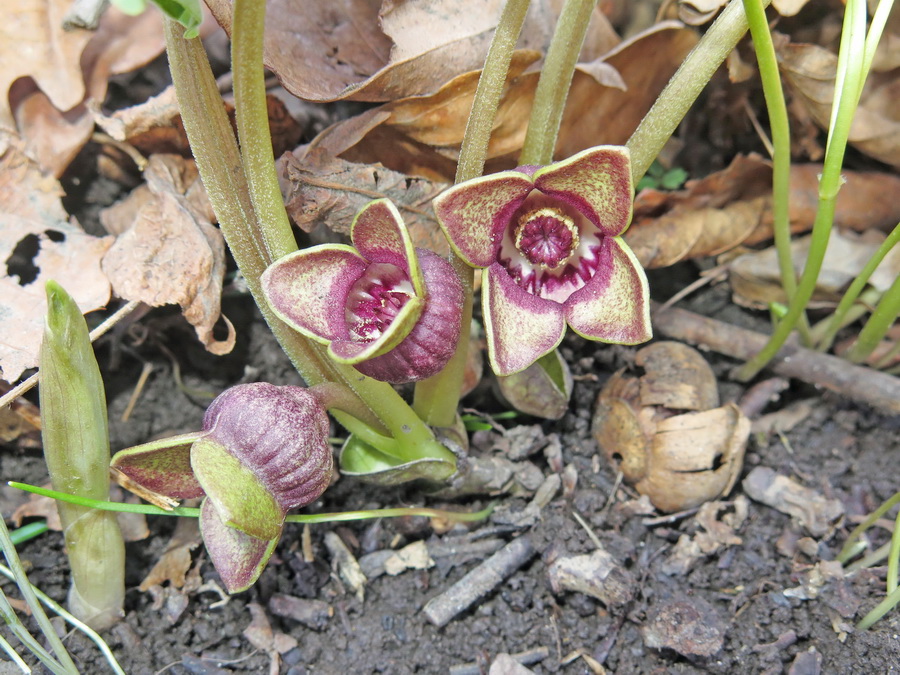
{"x": 368, "y": 50}
{"x": 50, "y": 106}
{"x": 733, "y": 206}
{"x": 170, "y": 253}
{"x": 756, "y": 280}
{"x": 422, "y": 136}
{"x": 718, "y": 523}
{"x": 35, "y": 252}
{"x": 260, "y": 634}
{"x": 809, "y": 71}
{"x": 173, "y": 565}
{"x": 322, "y": 190}
{"x": 34, "y": 45}
{"x": 597, "y": 574}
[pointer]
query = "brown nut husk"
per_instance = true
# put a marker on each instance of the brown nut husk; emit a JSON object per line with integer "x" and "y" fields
{"x": 678, "y": 459}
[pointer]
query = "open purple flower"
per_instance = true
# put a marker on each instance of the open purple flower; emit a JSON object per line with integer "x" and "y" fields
{"x": 390, "y": 310}
{"x": 549, "y": 241}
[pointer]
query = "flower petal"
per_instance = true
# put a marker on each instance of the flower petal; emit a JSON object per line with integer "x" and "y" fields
{"x": 520, "y": 327}
{"x": 380, "y": 235}
{"x": 307, "y": 289}
{"x": 238, "y": 558}
{"x": 163, "y": 466}
{"x": 597, "y": 182}
{"x": 239, "y": 496}
{"x": 614, "y": 306}
{"x": 474, "y": 214}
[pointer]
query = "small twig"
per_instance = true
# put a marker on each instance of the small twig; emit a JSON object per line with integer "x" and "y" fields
{"x": 441, "y": 609}
{"x": 526, "y": 658}
{"x": 587, "y": 528}
{"x": 372, "y": 194}
{"x": 875, "y": 388}
{"x": 138, "y": 389}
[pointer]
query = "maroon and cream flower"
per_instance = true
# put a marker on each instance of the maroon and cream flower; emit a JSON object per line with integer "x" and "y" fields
{"x": 549, "y": 241}
{"x": 390, "y": 310}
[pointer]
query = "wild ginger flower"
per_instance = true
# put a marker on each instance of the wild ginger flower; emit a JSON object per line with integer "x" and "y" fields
{"x": 263, "y": 451}
{"x": 549, "y": 242}
{"x": 390, "y": 310}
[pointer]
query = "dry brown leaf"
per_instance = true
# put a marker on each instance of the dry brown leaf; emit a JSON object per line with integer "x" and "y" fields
{"x": 34, "y": 45}
{"x": 38, "y": 506}
{"x": 57, "y": 251}
{"x": 756, "y": 280}
{"x": 56, "y": 127}
{"x": 810, "y": 70}
{"x": 421, "y": 136}
{"x": 171, "y": 254}
{"x": 323, "y": 190}
{"x": 173, "y": 565}
{"x": 733, "y": 206}
{"x": 813, "y": 511}
{"x": 37, "y": 244}
{"x": 369, "y": 50}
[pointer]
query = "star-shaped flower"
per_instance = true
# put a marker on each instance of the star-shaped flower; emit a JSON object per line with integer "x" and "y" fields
{"x": 390, "y": 310}
{"x": 549, "y": 241}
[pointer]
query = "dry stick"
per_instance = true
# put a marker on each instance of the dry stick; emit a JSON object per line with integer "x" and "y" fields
{"x": 441, "y": 609}
{"x": 877, "y": 389}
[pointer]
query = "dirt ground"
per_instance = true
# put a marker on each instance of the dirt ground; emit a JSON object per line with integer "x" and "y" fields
{"x": 761, "y": 603}
{"x": 735, "y": 597}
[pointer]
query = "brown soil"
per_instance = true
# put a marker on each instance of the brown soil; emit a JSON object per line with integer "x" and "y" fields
{"x": 841, "y": 450}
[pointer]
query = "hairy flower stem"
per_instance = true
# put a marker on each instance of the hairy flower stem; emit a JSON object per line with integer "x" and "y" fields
{"x": 253, "y": 244}
{"x": 437, "y": 398}
{"x": 685, "y": 86}
{"x": 555, "y": 80}
{"x": 781, "y": 156}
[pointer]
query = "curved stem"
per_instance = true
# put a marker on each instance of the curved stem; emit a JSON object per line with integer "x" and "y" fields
{"x": 781, "y": 155}
{"x": 252, "y": 116}
{"x": 437, "y": 398}
{"x": 555, "y": 80}
{"x": 878, "y": 324}
{"x": 856, "y": 288}
{"x": 852, "y": 44}
{"x": 685, "y": 86}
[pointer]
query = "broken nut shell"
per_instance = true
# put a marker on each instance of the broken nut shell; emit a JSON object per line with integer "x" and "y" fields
{"x": 678, "y": 460}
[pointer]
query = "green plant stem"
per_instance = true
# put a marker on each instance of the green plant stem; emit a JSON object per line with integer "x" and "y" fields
{"x": 856, "y": 288}
{"x": 13, "y": 655}
{"x": 150, "y": 510}
{"x": 894, "y": 557}
{"x": 63, "y": 662}
{"x": 474, "y": 149}
{"x": 781, "y": 155}
{"x": 75, "y": 623}
{"x": 555, "y": 80}
{"x": 252, "y": 117}
{"x": 879, "y": 610}
{"x": 862, "y": 306}
{"x": 437, "y": 398}
{"x": 685, "y": 86}
{"x": 27, "y": 532}
{"x": 829, "y": 184}
{"x": 252, "y": 243}
{"x": 857, "y": 532}
{"x": 878, "y": 324}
